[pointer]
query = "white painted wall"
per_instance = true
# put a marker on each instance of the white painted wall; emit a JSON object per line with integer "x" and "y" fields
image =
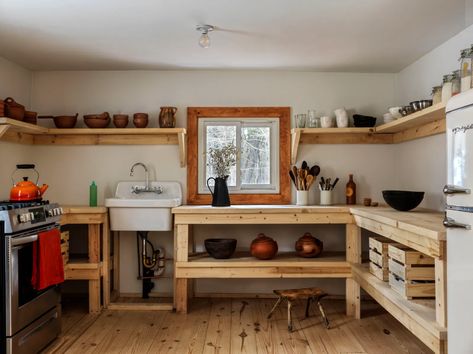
{"x": 421, "y": 164}
{"x": 71, "y": 169}
{"x": 15, "y": 81}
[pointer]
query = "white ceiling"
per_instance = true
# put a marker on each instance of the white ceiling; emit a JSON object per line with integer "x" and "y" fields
{"x": 321, "y": 35}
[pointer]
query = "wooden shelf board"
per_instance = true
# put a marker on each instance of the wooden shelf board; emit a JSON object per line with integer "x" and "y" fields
{"x": 284, "y": 265}
{"x": 117, "y": 131}
{"x": 352, "y": 130}
{"x": 22, "y": 127}
{"x": 425, "y": 116}
{"x": 417, "y": 315}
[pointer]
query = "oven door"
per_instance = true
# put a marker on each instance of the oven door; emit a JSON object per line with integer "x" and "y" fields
{"x": 24, "y": 304}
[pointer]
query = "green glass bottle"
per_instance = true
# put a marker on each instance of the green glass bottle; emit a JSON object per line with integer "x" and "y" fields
{"x": 93, "y": 194}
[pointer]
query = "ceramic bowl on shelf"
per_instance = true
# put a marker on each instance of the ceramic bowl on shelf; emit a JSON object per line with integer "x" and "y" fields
{"x": 362, "y": 121}
{"x": 388, "y": 118}
{"x": 220, "y": 248}
{"x": 140, "y": 120}
{"x": 92, "y": 121}
{"x": 395, "y": 112}
{"x": 120, "y": 120}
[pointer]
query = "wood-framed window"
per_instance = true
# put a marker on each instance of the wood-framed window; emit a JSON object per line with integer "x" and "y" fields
{"x": 273, "y": 125}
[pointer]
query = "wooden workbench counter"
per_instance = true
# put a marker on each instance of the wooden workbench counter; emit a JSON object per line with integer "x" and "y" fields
{"x": 95, "y": 269}
{"x": 244, "y": 266}
{"x": 262, "y": 214}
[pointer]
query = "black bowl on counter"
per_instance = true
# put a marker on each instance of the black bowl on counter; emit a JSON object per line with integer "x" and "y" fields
{"x": 403, "y": 200}
{"x": 220, "y": 248}
{"x": 361, "y": 121}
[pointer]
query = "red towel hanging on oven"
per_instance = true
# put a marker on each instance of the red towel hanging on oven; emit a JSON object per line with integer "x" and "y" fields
{"x": 48, "y": 268}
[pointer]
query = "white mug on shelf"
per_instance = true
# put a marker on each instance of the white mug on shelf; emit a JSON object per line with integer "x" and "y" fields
{"x": 302, "y": 198}
{"x": 342, "y": 118}
{"x": 326, "y": 122}
{"x": 325, "y": 197}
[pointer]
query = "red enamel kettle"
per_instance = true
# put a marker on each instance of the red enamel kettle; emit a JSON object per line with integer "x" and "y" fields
{"x": 26, "y": 191}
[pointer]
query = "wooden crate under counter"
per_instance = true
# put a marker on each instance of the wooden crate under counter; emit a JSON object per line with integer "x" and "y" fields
{"x": 411, "y": 273}
{"x": 378, "y": 255}
{"x": 65, "y": 247}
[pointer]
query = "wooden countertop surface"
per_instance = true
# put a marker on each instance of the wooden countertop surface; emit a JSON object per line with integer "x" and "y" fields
{"x": 419, "y": 221}
{"x": 259, "y": 209}
{"x": 83, "y": 209}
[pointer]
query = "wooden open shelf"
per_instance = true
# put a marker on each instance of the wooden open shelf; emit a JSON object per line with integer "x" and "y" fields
{"x": 417, "y": 315}
{"x": 429, "y": 121}
{"x": 284, "y": 265}
{"x": 20, "y": 132}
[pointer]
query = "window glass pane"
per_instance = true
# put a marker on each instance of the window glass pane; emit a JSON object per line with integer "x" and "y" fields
{"x": 255, "y": 155}
{"x": 217, "y": 137}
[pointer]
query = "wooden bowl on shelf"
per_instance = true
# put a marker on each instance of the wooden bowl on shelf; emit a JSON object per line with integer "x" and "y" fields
{"x": 120, "y": 120}
{"x": 30, "y": 117}
{"x": 92, "y": 121}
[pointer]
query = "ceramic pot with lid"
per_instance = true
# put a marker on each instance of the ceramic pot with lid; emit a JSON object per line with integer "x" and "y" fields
{"x": 308, "y": 246}
{"x": 263, "y": 247}
{"x": 25, "y": 191}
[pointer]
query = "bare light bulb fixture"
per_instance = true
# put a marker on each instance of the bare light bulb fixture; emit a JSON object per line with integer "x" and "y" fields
{"x": 204, "y": 40}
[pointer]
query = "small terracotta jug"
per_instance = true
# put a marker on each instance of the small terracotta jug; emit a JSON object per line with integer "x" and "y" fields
{"x": 308, "y": 246}
{"x": 263, "y": 247}
{"x": 167, "y": 117}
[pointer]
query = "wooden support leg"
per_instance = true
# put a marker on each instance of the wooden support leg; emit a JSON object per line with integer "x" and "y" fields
{"x": 94, "y": 257}
{"x": 322, "y": 312}
{"x": 307, "y": 307}
{"x": 181, "y": 254}
{"x": 105, "y": 262}
{"x": 274, "y": 307}
{"x": 441, "y": 288}
{"x": 289, "y": 315}
{"x": 353, "y": 251}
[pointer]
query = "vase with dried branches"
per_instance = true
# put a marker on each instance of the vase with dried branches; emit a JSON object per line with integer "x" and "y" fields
{"x": 221, "y": 159}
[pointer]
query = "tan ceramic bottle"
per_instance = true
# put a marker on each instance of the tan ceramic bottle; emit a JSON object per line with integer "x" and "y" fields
{"x": 351, "y": 191}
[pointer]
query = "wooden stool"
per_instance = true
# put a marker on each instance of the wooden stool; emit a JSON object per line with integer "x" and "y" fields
{"x": 311, "y": 294}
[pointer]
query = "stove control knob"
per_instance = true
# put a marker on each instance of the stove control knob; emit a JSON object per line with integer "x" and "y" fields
{"x": 27, "y": 217}
{"x": 22, "y": 218}
{"x": 57, "y": 211}
{"x": 32, "y": 216}
{"x": 50, "y": 213}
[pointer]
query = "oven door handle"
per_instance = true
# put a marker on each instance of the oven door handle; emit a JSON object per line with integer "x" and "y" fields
{"x": 22, "y": 240}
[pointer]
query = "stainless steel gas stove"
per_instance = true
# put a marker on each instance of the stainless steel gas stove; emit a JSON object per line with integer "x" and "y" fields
{"x": 30, "y": 319}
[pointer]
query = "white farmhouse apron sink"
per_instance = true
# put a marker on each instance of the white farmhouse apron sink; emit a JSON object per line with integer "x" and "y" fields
{"x": 144, "y": 211}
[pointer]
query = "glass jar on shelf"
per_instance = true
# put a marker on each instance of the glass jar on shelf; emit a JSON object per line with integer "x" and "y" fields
{"x": 466, "y": 61}
{"x": 456, "y": 80}
{"x": 436, "y": 94}
{"x": 300, "y": 120}
{"x": 312, "y": 120}
{"x": 447, "y": 88}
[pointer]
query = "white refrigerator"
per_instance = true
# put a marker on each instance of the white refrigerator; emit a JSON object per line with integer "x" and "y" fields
{"x": 459, "y": 221}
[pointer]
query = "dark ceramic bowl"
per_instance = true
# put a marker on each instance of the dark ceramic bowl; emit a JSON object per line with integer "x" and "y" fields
{"x": 361, "y": 121}
{"x": 220, "y": 248}
{"x": 403, "y": 200}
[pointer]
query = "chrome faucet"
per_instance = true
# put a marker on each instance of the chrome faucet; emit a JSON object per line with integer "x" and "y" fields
{"x": 147, "y": 187}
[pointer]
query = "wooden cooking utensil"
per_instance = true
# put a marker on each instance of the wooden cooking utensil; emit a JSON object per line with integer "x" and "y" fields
{"x": 308, "y": 181}
{"x": 315, "y": 170}
{"x": 293, "y": 177}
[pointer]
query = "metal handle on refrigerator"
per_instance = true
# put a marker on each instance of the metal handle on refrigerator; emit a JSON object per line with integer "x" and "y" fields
{"x": 451, "y": 189}
{"x": 449, "y": 222}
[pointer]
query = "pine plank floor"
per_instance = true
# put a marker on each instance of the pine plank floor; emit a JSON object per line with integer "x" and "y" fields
{"x": 221, "y": 326}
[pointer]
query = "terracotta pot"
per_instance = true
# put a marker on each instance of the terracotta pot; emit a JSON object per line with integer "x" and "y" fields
{"x": 263, "y": 247}
{"x": 120, "y": 120}
{"x": 94, "y": 122}
{"x": 63, "y": 122}
{"x": 13, "y": 109}
{"x": 104, "y": 116}
{"x": 308, "y": 246}
{"x": 30, "y": 117}
{"x": 140, "y": 120}
{"x": 2, "y": 108}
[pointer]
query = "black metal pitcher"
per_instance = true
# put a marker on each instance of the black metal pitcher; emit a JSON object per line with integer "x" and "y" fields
{"x": 220, "y": 197}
